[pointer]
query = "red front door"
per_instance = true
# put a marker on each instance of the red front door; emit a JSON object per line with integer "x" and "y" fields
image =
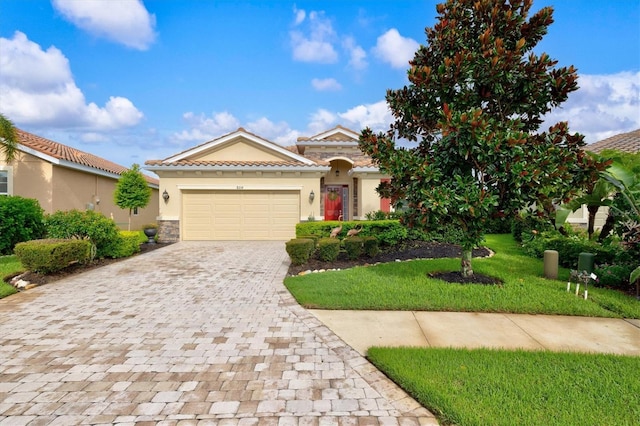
{"x": 333, "y": 203}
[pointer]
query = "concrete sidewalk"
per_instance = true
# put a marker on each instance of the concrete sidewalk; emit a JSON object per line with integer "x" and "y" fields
{"x": 363, "y": 329}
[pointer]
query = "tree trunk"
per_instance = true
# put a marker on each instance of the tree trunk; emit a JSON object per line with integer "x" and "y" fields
{"x": 608, "y": 226}
{"x": 593, "y": 210}
{"x": 465, "y": 263}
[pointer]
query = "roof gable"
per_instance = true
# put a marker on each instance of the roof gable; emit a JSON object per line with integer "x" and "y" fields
{"x": 337, "y": 134}
{"x": 238, "y": 146}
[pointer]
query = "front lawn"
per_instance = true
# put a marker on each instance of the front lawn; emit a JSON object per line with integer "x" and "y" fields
{"x": 406, "y": 286}
{"x": 499, "y": 387}
{"x": 8, "y": 265}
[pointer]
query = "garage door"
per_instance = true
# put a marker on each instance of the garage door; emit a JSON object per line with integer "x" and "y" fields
{"x": 240, "y": 215}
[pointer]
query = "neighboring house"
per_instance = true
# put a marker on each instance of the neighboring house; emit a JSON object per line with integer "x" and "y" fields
{"x": 243, "y": 187}
{"x": 625, "y": 142}
{"x": 64, "y": 178}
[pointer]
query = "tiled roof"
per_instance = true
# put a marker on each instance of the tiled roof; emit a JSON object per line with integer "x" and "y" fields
{"x": 228, "y": 163}
{"x": 72, "y": 155}
{"x": 625, "y": 142}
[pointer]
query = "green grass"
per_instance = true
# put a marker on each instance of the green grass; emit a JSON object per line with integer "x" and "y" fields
{"x": 406, "y": 286}
{"x": 497, "y": 387}
{"x": 8, "y": 265}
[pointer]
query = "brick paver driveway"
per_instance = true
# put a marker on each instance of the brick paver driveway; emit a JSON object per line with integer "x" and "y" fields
{"x": 194, "y": 333}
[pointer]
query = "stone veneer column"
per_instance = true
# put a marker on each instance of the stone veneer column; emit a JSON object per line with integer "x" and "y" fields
{"x": 168, "y": 231}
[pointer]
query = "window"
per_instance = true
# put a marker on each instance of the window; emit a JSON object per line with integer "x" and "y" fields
{"x": 135, "y": 211}
{"x": 5, "y": 181}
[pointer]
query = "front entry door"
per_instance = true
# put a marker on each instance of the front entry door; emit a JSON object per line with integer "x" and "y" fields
{"x": 333, "y": 203}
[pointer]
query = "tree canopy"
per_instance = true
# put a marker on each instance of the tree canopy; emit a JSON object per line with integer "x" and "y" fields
{"x": 8, "y": 138}
{"x": 471, "y": 113}
{"x": 132, "y": 190}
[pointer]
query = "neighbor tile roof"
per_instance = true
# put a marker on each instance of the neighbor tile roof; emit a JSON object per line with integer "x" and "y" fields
{"x": 625, "y": 142}
{"x": 72, "y": 155}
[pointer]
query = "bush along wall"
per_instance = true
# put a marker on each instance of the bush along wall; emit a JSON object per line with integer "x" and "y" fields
{"x": 52, "y": 255}
{"x": 388, "y": 232}
{"x": 21, "y": 219}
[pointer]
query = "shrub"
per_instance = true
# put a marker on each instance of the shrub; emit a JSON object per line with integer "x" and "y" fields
{"x": 388, "y": 232}
{"x": 21, "y": 220}
{"x": 570, "y": 247}
{"x": 125, "y": 244}
{"x": 52, "y": 255}
{"x": 328, "y": 249}
{"x": 376, "y": 215}
{"x": 100, "y": 230}
{"x": 299, "y": 250}
{"x": 354, "y": 247}
{"x": 370, "y": 246}
{"x": 613, "y": 275}
{"x": 315, "y": 239}
{"x": 527, "y": 222}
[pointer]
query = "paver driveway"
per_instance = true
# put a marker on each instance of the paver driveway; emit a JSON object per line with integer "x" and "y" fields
{"x": 194, "y": 333}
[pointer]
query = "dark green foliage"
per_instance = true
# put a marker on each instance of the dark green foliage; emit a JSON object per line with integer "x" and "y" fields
{"x": 523, "y": 225}
{"x": 8, "y": 139}
{"x": 613, "y": 275}
{"x": 313, "y": 237}
{"x": 388, "y": 232}
{"x": 52, "y": 255}
{"x": 353, "y": 246}
{"x": 328, "y": 249}
{"x": 125, "y": 244}
{"x": 299, "y": 250}
{"x": 370, "y": 246}
{"x": 21, "y": 219}
{"x": 569, "y": 248}
{"x": 100, "y": 230}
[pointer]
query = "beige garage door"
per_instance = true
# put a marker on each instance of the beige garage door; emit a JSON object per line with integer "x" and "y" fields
{"x": 240, "y": 215}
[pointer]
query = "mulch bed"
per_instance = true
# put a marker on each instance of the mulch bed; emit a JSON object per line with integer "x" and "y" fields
{"x": 413, "y": 250}
{"x": 40, "y": 279}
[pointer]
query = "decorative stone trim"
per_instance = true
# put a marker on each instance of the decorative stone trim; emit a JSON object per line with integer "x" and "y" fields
{"x": 168, "y": 231}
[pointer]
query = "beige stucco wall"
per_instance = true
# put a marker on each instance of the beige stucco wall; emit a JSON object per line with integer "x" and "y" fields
{"x": 59, "y": 188}
{"x": 581, "y": 217}
{"x": 241, "y": 150}
{"x": 369, "y": 198}
{"x": 32, "y": 179}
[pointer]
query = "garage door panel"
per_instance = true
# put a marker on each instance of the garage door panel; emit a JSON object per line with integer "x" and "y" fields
{"x": 240, "y": 215}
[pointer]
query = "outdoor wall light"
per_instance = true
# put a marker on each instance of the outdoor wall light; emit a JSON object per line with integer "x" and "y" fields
{"x": 97, "y": 200}
{"x": 165, "y": 196}
{"x": 337, "y": 173}
{"x": 312, "y": 196}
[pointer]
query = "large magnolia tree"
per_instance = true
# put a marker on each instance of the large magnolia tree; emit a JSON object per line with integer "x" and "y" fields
{"x": 471, "y": 114}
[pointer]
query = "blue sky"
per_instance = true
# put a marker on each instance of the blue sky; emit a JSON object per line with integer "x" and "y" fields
{"x": 133, "y": 80}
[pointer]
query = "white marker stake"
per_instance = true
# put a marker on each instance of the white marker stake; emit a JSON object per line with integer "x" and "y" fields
{"x": 585, "y": 294}
{"x": 569, "y": 286}
{"x": 577, "y": 288}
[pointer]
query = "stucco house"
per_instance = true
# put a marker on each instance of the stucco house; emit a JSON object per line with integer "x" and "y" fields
{"x": 63, "y": 178}
{"x": 241, "y": 186}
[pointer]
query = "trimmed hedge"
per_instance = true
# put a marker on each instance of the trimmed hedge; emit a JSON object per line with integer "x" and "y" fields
{"x": 370, "y": 246}
{"x": 388, "y": 232}
{"x": 354, "y": 247}
{"x": 21, "y": 219}
{"x": 125, "y": 244}
{"x": 299, "y": 250}
{"x": 328, "y": 249}
{"x": 52, "y": 255}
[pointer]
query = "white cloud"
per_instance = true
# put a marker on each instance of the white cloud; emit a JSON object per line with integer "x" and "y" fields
{"x": 203, "y": 128}
{"x": 37, "y": 88}
{"x": 321, "y": 120}
{"x": 279, "y": 133}
{"x": 126, "y": 21}
{"x": 325, "y": 84}
{"x": 357, "y": 55}
{"x": 376, "y": 116}
{"x": 394, "y": 49}
{"x": 317, "y": 46}
{"x": 300, "y": 15}
{"x": 605, "y": 105}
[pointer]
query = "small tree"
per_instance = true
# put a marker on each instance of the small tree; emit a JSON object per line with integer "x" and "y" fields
{"x": 475, "y": 102}
{"x": 132, "y": 191}
{"x": 8, "y": 138}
